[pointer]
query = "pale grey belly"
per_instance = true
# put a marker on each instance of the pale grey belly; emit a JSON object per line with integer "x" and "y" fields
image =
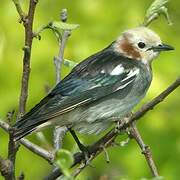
{"x": 99, "y": 116}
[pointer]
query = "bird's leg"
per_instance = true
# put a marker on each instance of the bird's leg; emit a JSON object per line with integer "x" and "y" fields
{"x": 83, "y": 148}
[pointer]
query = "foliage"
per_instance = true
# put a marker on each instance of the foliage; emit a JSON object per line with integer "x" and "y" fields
{"x": 156, "y": 9}
{"x": 64, "y": 159}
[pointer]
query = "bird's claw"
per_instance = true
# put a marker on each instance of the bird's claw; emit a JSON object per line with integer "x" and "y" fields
{"x": 118, "y": 127}
{"x": 85, "y": 152}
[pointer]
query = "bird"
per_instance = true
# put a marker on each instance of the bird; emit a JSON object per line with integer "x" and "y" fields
{"x": 101, "y": 89}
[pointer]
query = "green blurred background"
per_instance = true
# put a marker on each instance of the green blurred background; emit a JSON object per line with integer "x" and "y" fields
{"x": 101, "y": 21}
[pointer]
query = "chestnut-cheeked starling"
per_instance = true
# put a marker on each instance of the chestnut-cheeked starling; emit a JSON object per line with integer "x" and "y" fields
{"x": 101, "y": 89}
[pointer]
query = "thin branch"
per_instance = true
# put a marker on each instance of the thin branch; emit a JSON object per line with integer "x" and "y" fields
{"x": 62, "y": 43}
{"x": 59, "y": 132}
{"x": 28, "y": 25}
{"x": 5, "y": 168}
{"x": 106, "y": 155}
{"x": 27, "y": 55}
{"x": 134, "y": 133}
{"x": 37, "y": 33}
{"x": 78, "y": 170}
{"x": 12, "y": 150}
{"x": 19, "y": 10}
{"x": 48, "y": 156}
{"x": 59, "y": 60}
{"x": 108, "y": 139}
{"x": 4, "y": 126}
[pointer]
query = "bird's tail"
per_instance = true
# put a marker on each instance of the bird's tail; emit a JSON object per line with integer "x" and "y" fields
{"x": 24, "y": 127}
{"x": 30, "y": 121}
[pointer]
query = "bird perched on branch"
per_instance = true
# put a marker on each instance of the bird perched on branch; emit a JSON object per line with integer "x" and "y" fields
{"x": 101, "y": 89}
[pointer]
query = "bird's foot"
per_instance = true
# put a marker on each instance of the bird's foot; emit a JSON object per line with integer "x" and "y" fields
{"x": 120, "y": 122}
{"x": 118, "y": 126}
{"x": 86, "y": 153}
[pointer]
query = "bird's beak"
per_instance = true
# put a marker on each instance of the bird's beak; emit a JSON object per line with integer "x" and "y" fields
{"x": 161, "y": 47}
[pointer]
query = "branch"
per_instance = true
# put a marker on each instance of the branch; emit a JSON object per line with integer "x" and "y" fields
{"x": 62, "y": 43}
{"x": 28, "y": 25}
{"x": 20, "y": 11}
{"x": 4, "y": 168}
{"x": 12, "y": 150}
{"x": 59, "y": 132}
{"x": 8, "y": 165}
{"x": 107, "y": 140}
{"x": 48, "y": 156}
{"x": 134, "y": 133}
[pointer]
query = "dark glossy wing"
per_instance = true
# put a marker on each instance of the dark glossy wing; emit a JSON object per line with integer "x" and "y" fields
{"x": 98, "y": 76}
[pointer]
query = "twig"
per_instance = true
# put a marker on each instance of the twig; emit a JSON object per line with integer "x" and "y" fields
{"x": 28, "y": 25}
{"x": 109, "y": 138}
{"x": 19, "y": 10}
{"x": 59, "y": 60}
{"x": 49, "y": 156}
{"x": 12, "y": 150}
{"x": 106, "y": 155}
{"x": 37, "y": 33}
{"x": 134, "y": 133}
{"x": 9, "y": 164}
{"x": 5, "y": 168}
{"x": 62, "y": 43}
{"x": 77, "y": 170}
{"x": 59, "y": 132}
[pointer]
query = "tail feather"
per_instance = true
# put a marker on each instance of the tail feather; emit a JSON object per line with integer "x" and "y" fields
{"x": 24, "y": 127}
{"x": 20, "y": 134}
{"x": 31, "y": 120}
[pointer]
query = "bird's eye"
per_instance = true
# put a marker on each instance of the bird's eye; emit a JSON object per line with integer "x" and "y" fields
{"x": 141, "y": 45}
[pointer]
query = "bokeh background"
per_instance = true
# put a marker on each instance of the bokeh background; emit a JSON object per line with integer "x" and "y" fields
{"x": 101, "y": 21}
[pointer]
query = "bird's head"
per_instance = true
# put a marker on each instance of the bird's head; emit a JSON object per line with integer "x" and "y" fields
{"x": 141, "y": 44}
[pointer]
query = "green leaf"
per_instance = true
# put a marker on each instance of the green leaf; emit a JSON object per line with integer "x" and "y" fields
{"x": 155, "y": 6}
{"x": 69, "y": 63}
{"x": 156, "y": 9}
{"x": 64, "y": 159}
{"x": 64, "y": 26}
